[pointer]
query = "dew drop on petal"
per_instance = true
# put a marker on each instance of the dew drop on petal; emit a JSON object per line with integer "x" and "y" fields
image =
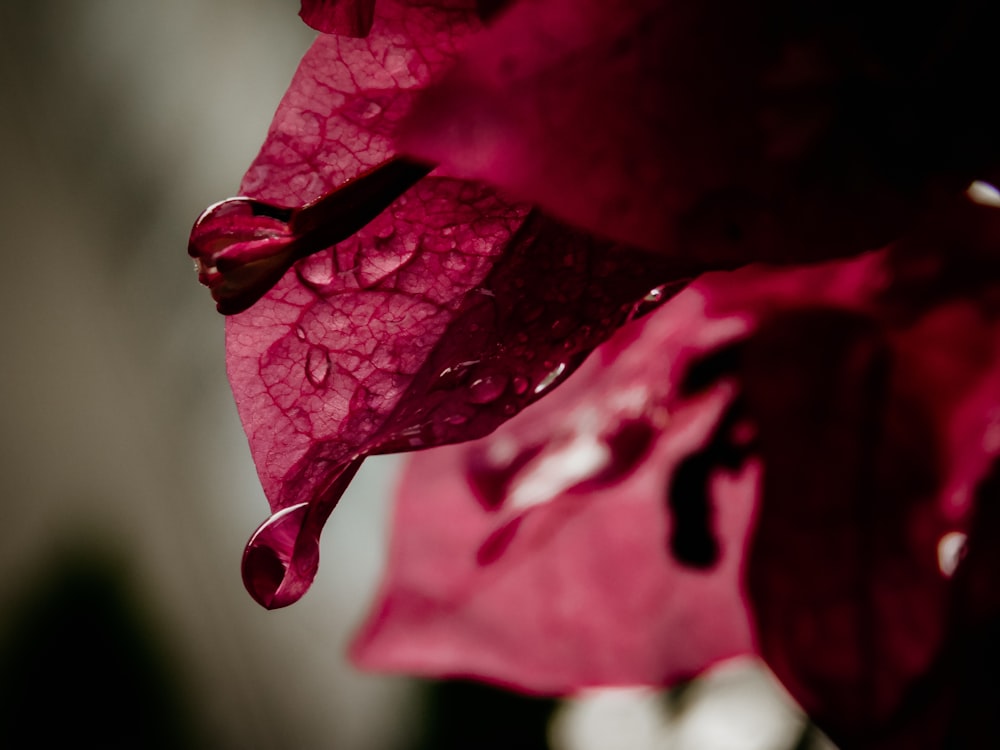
{"x": 318, "y": 366}
{"x": 520, "y": 384}
{"x": 386, "y": 231}
{"x": 488, "y": 388}
{"x": 316, "y": 270}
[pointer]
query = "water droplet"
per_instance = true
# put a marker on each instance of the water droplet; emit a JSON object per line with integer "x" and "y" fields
{"x": 317, "y": 270}
{"x": 318, "y": 366}
{"x": 520, "y": 384}
{"x": 279, "y": 562}
{"x": 487, "y": 389}
{"x": 456, "y": 419}
{"x": 550, "y": 379}
{"x": 300, "y": 333}
{"x": 455, "y": 375}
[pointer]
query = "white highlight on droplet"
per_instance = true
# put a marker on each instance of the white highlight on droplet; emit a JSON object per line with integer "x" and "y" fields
{"x": 949, "y": 552}
{"x": 551, "y": 378}
{"x": 983, "y": 193}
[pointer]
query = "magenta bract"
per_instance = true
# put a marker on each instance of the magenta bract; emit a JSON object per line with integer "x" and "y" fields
{"x": 721, "y": 130}
{"x": 442, "y": 317}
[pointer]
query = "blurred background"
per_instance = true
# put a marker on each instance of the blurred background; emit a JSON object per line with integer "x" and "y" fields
{"x": 128, "y": 490}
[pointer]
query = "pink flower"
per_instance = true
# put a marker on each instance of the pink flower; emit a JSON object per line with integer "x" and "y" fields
{"x": 446, "y": 219}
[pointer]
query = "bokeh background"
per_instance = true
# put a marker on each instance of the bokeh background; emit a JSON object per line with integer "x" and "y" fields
{"x": 128, "y": 490}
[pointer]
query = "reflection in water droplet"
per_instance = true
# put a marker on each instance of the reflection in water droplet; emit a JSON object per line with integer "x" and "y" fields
{"x": 318, "y": 366}
{"x": 487, "y": 388}
{"x": 386, "y": 231}
{"x": 455, "y": 375}
{"x": 551, "y": 378}
{"x": 275, "y": 572}
{"x": 300, "y": 333}
{"x": 456, "y": 419}
{"x": 317, "y": 270}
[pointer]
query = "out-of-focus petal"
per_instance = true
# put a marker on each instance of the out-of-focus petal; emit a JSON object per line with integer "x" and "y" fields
{"x": 537, "y": 557}
{"x": 771, "y": 131}
{"x": 875, "y": 427}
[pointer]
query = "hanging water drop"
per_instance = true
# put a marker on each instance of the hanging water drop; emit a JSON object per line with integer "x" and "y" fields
{"x": 278, "y": 563}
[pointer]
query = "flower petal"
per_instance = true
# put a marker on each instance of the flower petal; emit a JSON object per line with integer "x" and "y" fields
{"x": 875, "y": 424}
{"x": 720, "y": 130}
{"x": 440, "y": 319}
